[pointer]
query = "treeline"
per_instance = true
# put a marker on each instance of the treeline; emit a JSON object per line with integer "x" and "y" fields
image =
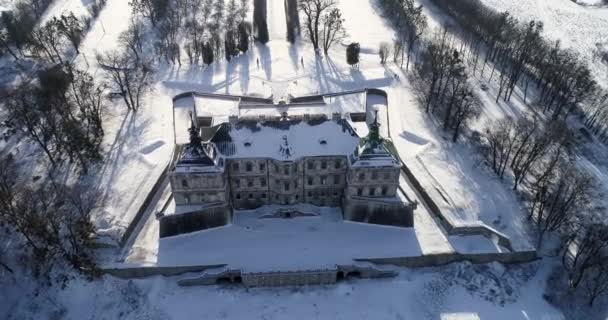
{"x": 447, "y": 92}
{"x": 524, "y": 56}
{"x": 441, "y": 75}
{"x": 559, "y": 197}
{"x": 410, "y": 23}
{"x": 19, "y": 35}
{"x": 53, "y": 221}
{"x": 61, "y": 110}
{"x": 211, "y": 28}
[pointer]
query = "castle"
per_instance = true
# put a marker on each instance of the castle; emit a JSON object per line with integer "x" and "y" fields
{"x": 245, "y": 152}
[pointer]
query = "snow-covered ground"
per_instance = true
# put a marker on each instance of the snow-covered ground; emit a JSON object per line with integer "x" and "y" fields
{"x": 457, "y": 291}
{"x": 138, "y": 147}
{"x": 577, "y": 27}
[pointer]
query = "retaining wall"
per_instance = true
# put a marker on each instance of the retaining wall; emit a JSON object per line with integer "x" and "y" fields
{"x": 142, "y": 271}
{"x": 450, "y": 227}
{"x": 209, "y": 217}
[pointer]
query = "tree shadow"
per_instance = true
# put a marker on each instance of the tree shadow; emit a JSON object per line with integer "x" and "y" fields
{"x": 265, "y": 59}
{"x": 244, "y": 72}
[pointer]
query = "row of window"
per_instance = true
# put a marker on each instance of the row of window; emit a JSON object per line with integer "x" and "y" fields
{"x": 372, "y": 192}
{"x": 323, "y": 180}
{"x": 337, "y": 164}
{"x": 185, "y": 184}
{"x": 201, "y": 197}
{"x": 324, "y": 164}
{"x": 310, "y": 194}
{"x": 374, "y": 175}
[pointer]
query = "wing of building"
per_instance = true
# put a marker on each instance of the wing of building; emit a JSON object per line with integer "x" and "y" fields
{"x": 241, "y": 152}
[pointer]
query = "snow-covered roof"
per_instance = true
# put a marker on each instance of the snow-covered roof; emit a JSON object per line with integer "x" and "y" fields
{"x": 220, "y": 107}
{"x": 217, "y": 107}
{"x": 287, "y": 139}
{"x": 316, "y": 125}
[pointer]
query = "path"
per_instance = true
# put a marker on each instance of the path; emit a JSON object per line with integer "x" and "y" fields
{"x": 277, "y": 23}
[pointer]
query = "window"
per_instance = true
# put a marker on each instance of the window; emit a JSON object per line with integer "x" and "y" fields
{"x": 387, "y": 175}
{"x": 263, "y": 182}
{"x": 375, "y": 175}
{"x": 250, "y": 183}
{"x": 237, "y": 183}
{"x": 310, "y": 164}
{"x": 309, "y": 194}
{"x": 310, "y": 181}
{"x": 297, "y": 197}
{"x": 264, "y": 195}
{"x": 276, "y": 182}
{"x": 238, "y": 196}
{"x": 262, "y": 166}
{"x": 235, "y": 166}
{"x": 372, "y": 191}
{"x": 323, "y": 164}
{"x": 286, "y": 186}
{"x": 249, "y": 166}
{"x": 187, "y": 198}
{"x": 384, "y": 191}
{"x": 338, "y": 164}
{"x": 360, "y": 191}
{"x": 286, "y": 170}
{"x": 276, "y": 168}
{"x": 361, "y": 176}
{"x": 323, "y": 180}
{"x": 336, "y": 179}
{"x": 335, "y": 193}
{"x": 250, "y": 196}
{"x": 184, "y": 183}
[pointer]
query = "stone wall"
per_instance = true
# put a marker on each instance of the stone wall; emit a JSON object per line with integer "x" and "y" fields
{"x": 215, "y": 215}
{"x": 370, "y": 210}
{"x": 373, "y": 182}
{"x": 191, "y": 188}
{"x": 295, "y": 278}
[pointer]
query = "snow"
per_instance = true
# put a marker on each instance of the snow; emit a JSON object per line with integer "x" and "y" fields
{"x": 253, "y": 243}
{"x": 220, "y": 108}
{"x": 268, "y": 141}
{"x": 138, "y": 146}
{"x": 577, "y": 27}
{"x": 474, "y": 244}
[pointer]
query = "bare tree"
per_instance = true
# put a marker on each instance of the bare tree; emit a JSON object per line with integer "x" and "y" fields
{"x": 416, "y": 23}
{"x": 596, "y": 281}
{"x": 128, "y": 78}
{"x": 583, "y": 249}
{"x": 555, "y": 204}
{"x": 313, "y": 12}
{"x": 71, "y": 28}
{"x": 36, "y": 121}
{"x": 47, "y": 40}
{"x": 133, "y": 40}
{"x": 384, "y": 52}
{"x": 332, "y": 30}
{"x": 53, "y": 220}
{"x": 151, "y": 9}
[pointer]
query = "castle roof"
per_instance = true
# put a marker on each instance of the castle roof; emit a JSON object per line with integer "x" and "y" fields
{"x": 286, "y": 140}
